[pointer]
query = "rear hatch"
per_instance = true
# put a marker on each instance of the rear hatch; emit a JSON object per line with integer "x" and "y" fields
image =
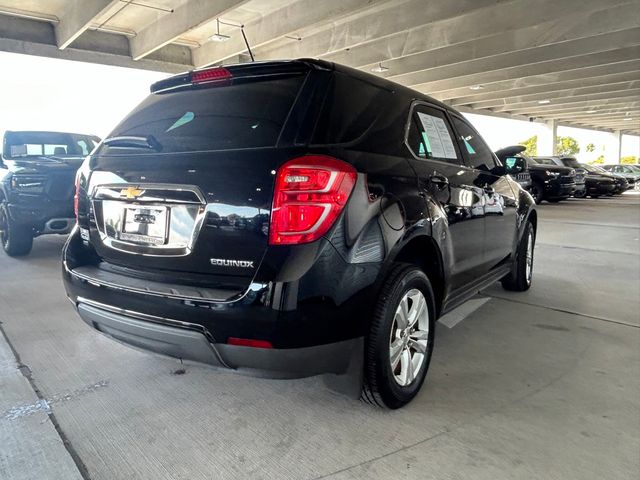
{"x": 182, "y": 188}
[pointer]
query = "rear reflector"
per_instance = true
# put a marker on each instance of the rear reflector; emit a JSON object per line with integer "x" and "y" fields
{"x": 210, "y": 75}
{"x": 248, "y": 342}
{"x": 309, "y": 195}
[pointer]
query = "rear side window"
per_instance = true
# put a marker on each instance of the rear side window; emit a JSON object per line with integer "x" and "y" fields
{"x": 430, "y": 135}
{"x": 238, "y": 116}
{"x": 350, "y": 108}
{"x": 477, "y": 153}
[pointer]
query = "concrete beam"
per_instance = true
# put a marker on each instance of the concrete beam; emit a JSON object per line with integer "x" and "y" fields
{"x": 549, "y": 94}
{"x": 542, "y": 81}
{"x": 185, "y": 17}
{"x": 620, "y": 95}
{"x": 284, "y": 21}
{"x": 539, "y": 42}
{"x": 375, "y": 31}
{"x": 31, "y": 37}
{"x": 550, "y": 68}
{"x": 628, "y": 96}
{"x": 599, "y": 115}
{"x": 77, "y": 17}
{"x": 521, "y": 59}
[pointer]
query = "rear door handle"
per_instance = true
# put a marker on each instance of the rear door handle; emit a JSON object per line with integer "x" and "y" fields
{"x": 439, "y": 181}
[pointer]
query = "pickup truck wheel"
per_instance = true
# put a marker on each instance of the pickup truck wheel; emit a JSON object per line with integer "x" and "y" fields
{"x": 519, "y": 280}
{"x": 17, "y": 240}
{"x": 537, "y": 192}
{"x": 400, "y": 340}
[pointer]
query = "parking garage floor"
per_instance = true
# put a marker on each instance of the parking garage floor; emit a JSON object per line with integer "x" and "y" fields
{"x": 544, "y": 384}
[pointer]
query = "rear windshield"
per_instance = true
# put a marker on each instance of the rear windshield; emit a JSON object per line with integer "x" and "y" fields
{"x": 238, "y": 116}
{"x": 571, "y": 162}
{"x": 22, "y": 145}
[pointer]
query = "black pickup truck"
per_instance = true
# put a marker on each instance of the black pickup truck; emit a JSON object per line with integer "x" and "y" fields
{"x": 37, "y": 171}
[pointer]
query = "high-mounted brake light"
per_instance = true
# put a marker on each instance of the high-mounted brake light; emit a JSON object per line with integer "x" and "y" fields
{"x": 210, "y": 75}
{"x": 309, "y": 195}
{"x": 76, "y": 196}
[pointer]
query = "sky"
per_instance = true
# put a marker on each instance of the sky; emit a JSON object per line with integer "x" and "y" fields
{"x": 38, "y": 93}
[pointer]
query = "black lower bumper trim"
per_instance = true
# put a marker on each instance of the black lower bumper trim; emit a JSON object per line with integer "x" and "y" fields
{"x": 193, "y": 345}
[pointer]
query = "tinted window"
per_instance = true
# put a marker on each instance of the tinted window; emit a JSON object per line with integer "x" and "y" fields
{"x": 478, "y": 155}
{"x": 243, "y": 115}
{"x": 545, "y": 161}
{"x": 571, "y": 162}
{"x": 33, "y": 144}
{"x": 430, "y": 135}
{"x": 350, "y": 108}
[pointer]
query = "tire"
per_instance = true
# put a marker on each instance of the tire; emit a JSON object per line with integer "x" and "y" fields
{"x": 580, "y": 194}
{"x": 16, "y": 240}
{"x": 537, "y": 192}
{"x": 519, "y": 280}
{"x": 393, "y": 387}
{"x": 553, "y": 200}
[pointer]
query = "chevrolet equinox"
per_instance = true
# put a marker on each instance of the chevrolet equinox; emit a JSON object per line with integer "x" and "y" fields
{"x": 294, "y": 218}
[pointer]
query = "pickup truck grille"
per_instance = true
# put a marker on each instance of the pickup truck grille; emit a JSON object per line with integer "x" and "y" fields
{"x": 523, "y": 178}
{"x": 61, "y": 187}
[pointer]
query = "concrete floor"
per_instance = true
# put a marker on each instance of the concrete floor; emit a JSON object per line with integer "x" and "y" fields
{"x": 544, "y": 384}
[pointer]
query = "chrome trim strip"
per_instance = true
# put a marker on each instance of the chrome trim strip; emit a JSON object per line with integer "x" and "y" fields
{"x": 101, "y": 283}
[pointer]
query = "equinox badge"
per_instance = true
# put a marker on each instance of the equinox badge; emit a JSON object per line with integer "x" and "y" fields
{"x": 223, "y": 262}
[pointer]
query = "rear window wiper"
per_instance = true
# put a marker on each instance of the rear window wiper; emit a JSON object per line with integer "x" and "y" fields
{"x": 133, "y": 141}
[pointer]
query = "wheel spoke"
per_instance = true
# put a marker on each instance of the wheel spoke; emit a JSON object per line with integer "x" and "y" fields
{"x": 395, "y": 352}
{"x": 402, "y": 313}
{"x": 418, "y": 346}
{"x": 419, "y": 335}
{"x": 407, "y": 367}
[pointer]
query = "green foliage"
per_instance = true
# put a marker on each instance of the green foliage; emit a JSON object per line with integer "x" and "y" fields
{"x": 567, "y": 146}
{"x": 591, "y": 148}
{"x": 531, "y": 144}
{"x": 597, "y": 161}
{"x": 629, "y": 160}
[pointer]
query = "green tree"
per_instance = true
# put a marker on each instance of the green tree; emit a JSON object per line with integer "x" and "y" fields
{"x": 630, "y": 160}
{"x": 531, "y": 144}
{"x": 567, "y": 146}
{"x": 591, "y": 148}
{"x": 597, "y": 161}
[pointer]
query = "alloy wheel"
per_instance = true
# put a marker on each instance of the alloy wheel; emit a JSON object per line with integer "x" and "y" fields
{"x": 4, "y": 227}
{"x": 409, "y": 337}
{"x": 529, "y": 259}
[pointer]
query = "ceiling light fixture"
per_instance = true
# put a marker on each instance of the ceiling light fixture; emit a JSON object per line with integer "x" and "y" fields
{"x": 379, "y": 68}
{"x": 218, "y": 37}
{"x": 476, "y": 87}
{"x": 628, "y": 119}
{"x": 591, "y": 111}
{"x": 544, "y": 102}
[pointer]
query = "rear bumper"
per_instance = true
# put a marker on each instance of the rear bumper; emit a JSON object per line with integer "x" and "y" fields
{"x": 191, "y": 342}
{"x": 43, "y": 215}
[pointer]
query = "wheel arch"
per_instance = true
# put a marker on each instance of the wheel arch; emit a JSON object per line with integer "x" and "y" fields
{"x": 424, "y": 252}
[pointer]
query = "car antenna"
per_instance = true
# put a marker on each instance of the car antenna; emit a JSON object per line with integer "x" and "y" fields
{"x": 244, "y": 35}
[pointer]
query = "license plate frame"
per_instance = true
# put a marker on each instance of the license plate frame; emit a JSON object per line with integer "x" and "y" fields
{"x": 145, "y": 224}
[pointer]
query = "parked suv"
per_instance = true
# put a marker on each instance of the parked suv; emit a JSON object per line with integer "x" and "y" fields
{"x": 37, "y": 171}
{"x": 294, "y": 218}
{"x": 600, "y": 182}
{"x": 570, "y": 162}
{"x": 631, "y": 173}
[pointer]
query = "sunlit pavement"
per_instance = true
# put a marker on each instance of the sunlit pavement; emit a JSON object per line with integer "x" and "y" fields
{"x": 544, "y": 384}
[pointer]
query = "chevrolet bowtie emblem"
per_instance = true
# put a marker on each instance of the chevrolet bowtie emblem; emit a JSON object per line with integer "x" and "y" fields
{"x": 131, "y": 192}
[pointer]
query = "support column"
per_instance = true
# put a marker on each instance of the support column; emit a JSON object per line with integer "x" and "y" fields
{"x": 613, "y": 151}
{"x": 548, "y": 138}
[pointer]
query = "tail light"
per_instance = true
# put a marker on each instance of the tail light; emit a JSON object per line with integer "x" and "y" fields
{"x": 309, "y": 195}
{"x": 249, "y": 342}
{"x": 76, "y": 196}
{"x": 210, "y": 75}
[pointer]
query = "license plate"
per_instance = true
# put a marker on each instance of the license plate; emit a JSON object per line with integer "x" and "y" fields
{"x": 144, "y": 225}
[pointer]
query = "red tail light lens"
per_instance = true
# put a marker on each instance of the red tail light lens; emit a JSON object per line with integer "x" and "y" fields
{"x": 210, "y": 75}
{"x": 309, "y": 195}
{"x": 76, "y": 196}
{"x": 249, "y": 342}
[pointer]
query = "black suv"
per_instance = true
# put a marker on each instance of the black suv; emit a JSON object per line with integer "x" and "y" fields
{"x": 292, "y": 219}
{"x": 37, "y": 171}
{"x": 570, "y": 162}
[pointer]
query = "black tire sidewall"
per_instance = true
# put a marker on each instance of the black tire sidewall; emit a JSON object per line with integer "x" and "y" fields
{"x": 19, "y": 238}
{"x": 393, "y": 394}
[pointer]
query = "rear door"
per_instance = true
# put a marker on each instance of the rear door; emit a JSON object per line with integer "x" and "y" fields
{"x": 500, "y": 207}
{"x": 443, "y": 177}
{"x": 189, "y": 177}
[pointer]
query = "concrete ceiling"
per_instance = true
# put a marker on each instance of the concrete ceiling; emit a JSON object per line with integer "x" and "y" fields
{"x": 574, "y": 61}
